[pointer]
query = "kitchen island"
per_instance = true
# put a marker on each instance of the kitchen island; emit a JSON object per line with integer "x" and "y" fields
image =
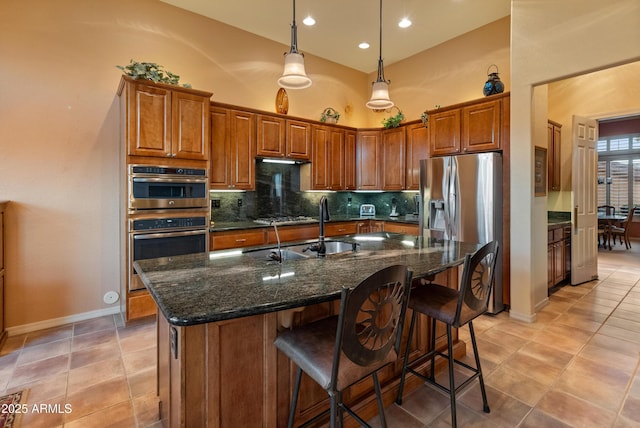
{"x": 220, "y": 312}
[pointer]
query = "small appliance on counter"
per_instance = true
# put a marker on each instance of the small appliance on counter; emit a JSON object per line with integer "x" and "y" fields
{"x": 367, "y": 210}
{"x": 394, "y": 208}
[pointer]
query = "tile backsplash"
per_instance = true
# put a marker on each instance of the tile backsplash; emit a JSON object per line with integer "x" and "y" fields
{"x": 247, "y": 206}
{"x": 278, "y": 194}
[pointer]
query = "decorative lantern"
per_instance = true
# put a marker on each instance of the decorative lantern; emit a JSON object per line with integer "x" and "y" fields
{"x": 493, "y": 85}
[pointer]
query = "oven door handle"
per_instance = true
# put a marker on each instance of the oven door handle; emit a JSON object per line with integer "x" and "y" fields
{"x": 142, "y": 235}
{"x": 167, "y": 180}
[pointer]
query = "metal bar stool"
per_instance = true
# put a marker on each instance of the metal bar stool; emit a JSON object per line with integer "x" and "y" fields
{"x": 455, "y": 309}
{"x": 338, "y": 351}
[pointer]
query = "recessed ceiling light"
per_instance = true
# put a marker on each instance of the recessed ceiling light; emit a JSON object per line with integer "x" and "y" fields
{"x": 364, "y": 45}
{"x": 404, "y": 23}
{"x": 308, "y": 21}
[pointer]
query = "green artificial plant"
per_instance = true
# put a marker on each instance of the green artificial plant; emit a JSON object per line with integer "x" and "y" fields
{"x": 151, "y": 71}
{"x": 393, "y": 121}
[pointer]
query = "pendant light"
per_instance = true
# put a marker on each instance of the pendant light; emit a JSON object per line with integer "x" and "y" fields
{"x": 294, "y": 76}
{"x": 380, "y": 94}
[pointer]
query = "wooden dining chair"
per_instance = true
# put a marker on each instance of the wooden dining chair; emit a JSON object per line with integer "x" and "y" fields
{"x": 607, "y": 209}
{"x": 622, "y": 232}
{"x": 603, "y": 228}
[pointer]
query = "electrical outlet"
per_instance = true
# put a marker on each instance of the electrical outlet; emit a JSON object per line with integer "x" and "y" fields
{"x": 239, "y": 202}
{"x": 215, "y": 203}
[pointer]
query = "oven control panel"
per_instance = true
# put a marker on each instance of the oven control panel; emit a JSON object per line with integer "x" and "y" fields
{"x": 166, "y": 170}
{"x": 169, "y": 223}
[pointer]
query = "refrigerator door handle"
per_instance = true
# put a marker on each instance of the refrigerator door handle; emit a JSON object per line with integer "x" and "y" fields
{"x": 452, "y": 199}
{"x": 445, "y": 193}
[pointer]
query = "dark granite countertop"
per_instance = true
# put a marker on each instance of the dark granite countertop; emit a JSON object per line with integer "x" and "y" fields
{"x": 225, "y": 284}
{"x": 556, "y": 219}
{"x": 238, "y": 225}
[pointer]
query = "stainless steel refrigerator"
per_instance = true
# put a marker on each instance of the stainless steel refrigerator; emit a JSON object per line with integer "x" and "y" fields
{"x": 462, "y": 200}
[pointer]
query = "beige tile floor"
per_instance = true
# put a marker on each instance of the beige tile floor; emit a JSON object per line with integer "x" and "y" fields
{"x": 577, "y": 366}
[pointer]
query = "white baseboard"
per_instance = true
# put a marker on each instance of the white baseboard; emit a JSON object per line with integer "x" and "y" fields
{"x": 56, "y": 322}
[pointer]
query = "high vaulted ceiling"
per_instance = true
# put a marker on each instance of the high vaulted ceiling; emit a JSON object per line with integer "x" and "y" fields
{"x": 342, "y": 24}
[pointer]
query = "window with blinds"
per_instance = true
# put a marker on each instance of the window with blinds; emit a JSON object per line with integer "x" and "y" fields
{"x": 619, "y": 171}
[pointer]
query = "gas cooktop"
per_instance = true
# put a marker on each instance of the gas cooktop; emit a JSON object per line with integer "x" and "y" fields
{"x": 284, "y": 220}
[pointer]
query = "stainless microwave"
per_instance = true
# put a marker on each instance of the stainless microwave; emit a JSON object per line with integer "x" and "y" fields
{"x": 161, "y": 187}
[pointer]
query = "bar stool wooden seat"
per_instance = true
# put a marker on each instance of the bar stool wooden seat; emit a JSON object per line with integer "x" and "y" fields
{"x": 455, "y": 309}
{"x": 338, "y": 351}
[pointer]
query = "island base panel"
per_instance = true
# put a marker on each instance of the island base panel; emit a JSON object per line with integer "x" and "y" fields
{"x": 229, "y": 373}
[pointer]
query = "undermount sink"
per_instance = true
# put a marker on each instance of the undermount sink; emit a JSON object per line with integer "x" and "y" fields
{"x": 272, "y": 254}
{"x": 298, "y": 252}
{"x": 332, "y": 247}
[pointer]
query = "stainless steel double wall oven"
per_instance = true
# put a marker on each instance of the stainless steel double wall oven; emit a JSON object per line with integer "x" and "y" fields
{"x": 168, "y": 214}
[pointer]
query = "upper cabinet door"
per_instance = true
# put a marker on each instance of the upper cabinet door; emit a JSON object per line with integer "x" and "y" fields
{"x": 243, "y": 152}
{"x": 166, "y": 122}
{"x": 335, "y": 167}
{"x": 232, "y": 149}
{"x": 392, "y": 162}
{"x": 367, "y": 159}
{"x": 481, "y": 127}
{"x": 271, "y": 136}
{"x": 444, "y": 132}
{"x": 350, "y": 182}
{"x": 298, "y": 140}
{"x": 320, "y": 158}
{"x": 190, "y": 126}
{"x": 417, "y": 149}
{"x": 219, "y": 173}
{"x": 148, "y": 120}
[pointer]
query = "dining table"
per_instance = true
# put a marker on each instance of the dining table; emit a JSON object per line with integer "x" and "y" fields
{"x": 606, "y": 221}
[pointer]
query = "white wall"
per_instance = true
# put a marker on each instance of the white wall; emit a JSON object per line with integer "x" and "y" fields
{"x": 552, "y": 40}
{"x": 612, "y": 92}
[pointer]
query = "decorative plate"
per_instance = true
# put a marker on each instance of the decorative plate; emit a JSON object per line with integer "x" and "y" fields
{"x": 282, "y": 101}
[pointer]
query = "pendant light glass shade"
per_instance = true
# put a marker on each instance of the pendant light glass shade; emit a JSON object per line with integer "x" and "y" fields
{"x": 380, "y": 96}
{"x": 380, "y": 93}
{"x": 294, "y": 75}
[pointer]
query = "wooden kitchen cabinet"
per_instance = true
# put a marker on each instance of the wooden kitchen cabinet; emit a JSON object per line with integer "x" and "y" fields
{"x": 417, "y": 149}
{"x": 298, "y": 141}
{"x": 232, "y": 163}
{"x": 368, "y": 147}
{"x": 340, "y": 228}
{"x": 396, "y": 227}
{"x": 558, "y": 255}
{"x": 326, "y": 170}
{"x": 393, "y": 159}
{"x": 481, "y": 126}
{"x": 369, "y": 226}
{"x": 444, "y": 132}
{"x": 350, "y": 180}
{"x": 471, "y": 127}
{"x": 271, "y": 136}
{"x": 298, "y": 232}
{"x": 282, "y": 138}
{"x": 554, "y": 161}
{"x": 164, "y": 121}
{"x": 226, "y": 239}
